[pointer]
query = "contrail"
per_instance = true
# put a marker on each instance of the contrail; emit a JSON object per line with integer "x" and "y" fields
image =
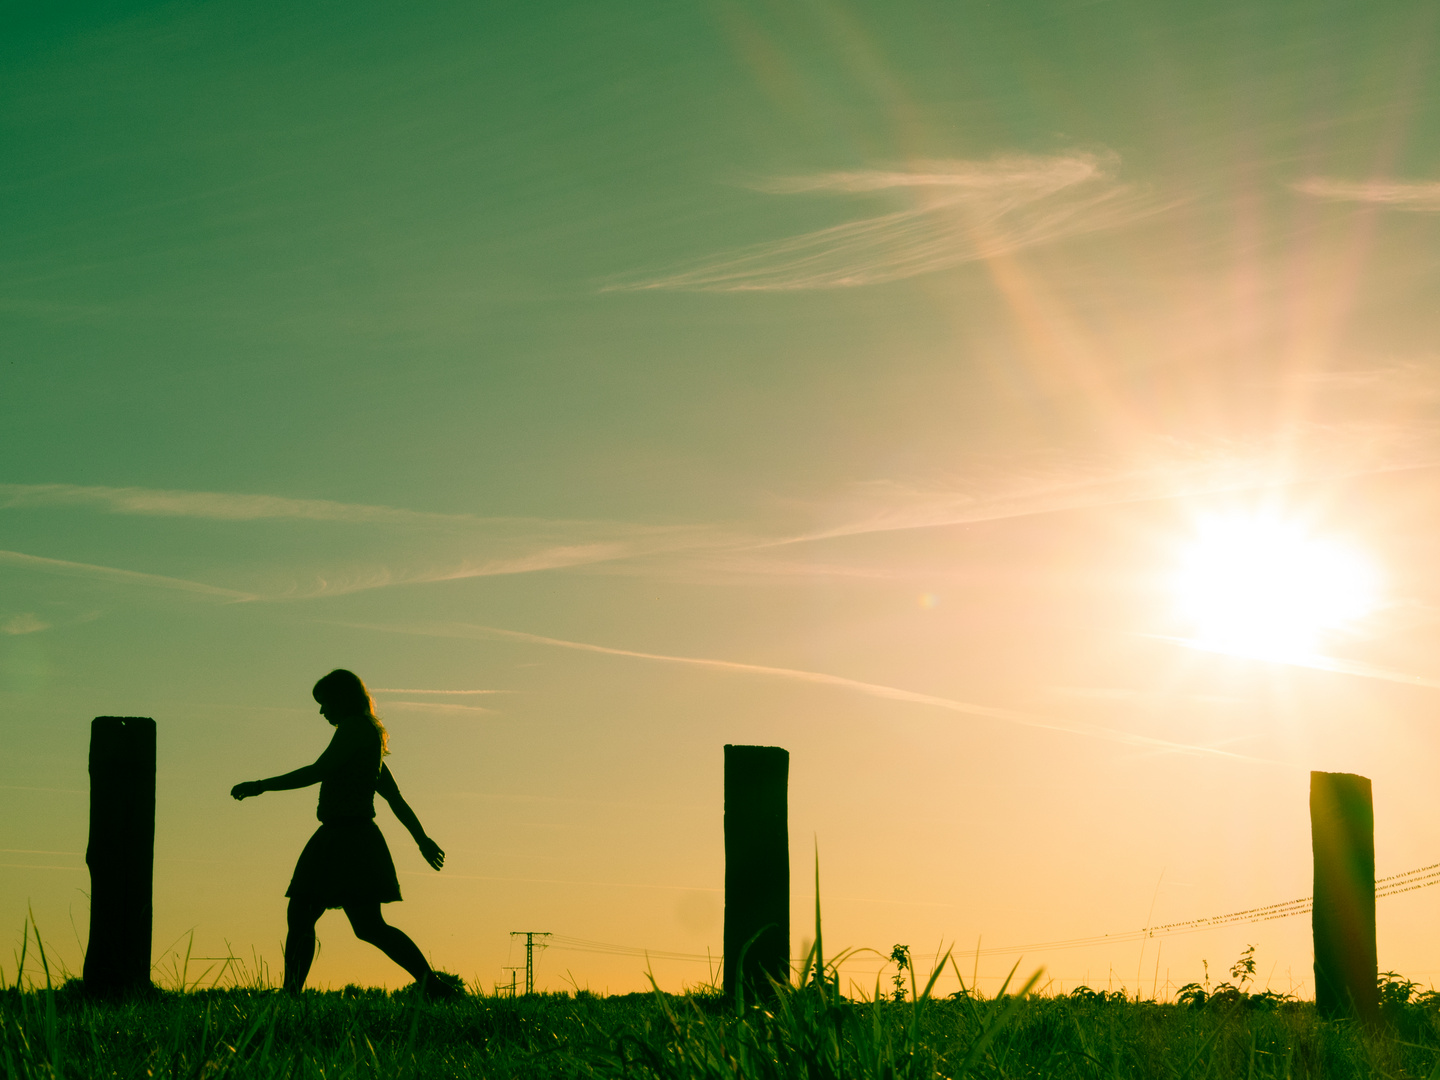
{"x": 393, "y": 690}
{"x": 124, "y": 577}
{"x": 878, "y": 690}
{"x": 441, "y": 708}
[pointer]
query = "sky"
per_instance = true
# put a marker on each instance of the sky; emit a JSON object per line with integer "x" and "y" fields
{"x": 605, "y": 383}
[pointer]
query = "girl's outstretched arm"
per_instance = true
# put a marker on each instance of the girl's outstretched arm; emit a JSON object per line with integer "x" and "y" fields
{"x": 388, "y": 790}
{"x": 301, "y": 777}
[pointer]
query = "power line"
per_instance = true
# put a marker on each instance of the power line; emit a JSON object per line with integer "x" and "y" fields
{"x": 530, "y": 936}
{"x": 1408, "y": 881}
{"x": 572, "y": 944}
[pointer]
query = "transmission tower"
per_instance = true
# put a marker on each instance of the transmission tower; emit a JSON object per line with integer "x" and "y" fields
{"x": 511, "y": 987}
{"x": 530, "y": 936}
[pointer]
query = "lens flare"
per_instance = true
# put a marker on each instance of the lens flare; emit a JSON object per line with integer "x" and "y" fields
{"x": 1259, "y": 586}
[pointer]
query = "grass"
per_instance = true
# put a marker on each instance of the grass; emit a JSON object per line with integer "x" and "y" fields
{"x": 806, "y": 1032}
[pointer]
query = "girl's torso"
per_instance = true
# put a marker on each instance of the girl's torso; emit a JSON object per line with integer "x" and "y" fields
{"x": 352, "y": 766}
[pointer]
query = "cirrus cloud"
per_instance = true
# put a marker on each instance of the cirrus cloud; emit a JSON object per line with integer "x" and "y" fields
{"x": 214, "y": 505}
{"x": 1421, "y": 197}
{"x": 27, "y": 622}
{"x": 959, "y": 212}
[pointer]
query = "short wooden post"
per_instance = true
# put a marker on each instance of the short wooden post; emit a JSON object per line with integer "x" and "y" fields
{"x": 1342, "y": 833}
{"x": 121, "y": 854}
{"x": 757, "y": 868}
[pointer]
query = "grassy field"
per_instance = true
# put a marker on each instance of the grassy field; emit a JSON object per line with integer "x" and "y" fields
{"x": 807, "y": 1032}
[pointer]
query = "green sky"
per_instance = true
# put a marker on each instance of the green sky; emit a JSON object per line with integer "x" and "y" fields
{"x": 849, "y": 377}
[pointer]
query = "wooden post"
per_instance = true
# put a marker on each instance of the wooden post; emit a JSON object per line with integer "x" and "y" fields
{"x": 121, "y": 854}
{"x": 1342, "y": 832}
{"x": 757, "y": 868}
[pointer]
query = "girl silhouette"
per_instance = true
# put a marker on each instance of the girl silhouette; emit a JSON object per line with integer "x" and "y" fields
{"x": 346, "y": 863}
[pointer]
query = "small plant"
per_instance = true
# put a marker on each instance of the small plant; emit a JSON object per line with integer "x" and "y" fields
{"x": 1244, "y": 968}
{"x": 1395, "y": 990}
{"x": 900, "y": 957}
{"x": 1196, "y": 994}
{"x": 1099, "y": 997}
{"x": 1237, "y": 993}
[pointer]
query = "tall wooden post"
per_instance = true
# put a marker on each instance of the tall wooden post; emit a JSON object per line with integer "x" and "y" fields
{"x": 121, "y": 854}
{"x": 757, "y": 867}
{"x": 1342, "y": 833}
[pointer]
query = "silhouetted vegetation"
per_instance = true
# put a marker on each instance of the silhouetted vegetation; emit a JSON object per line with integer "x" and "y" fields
{"x": 244, "y": 1033}
{"x": 809, "y": 1032}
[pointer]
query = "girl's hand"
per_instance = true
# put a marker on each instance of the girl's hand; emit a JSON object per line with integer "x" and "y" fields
{"x": 433, "y": 855}
{"x": 248, "y": 788}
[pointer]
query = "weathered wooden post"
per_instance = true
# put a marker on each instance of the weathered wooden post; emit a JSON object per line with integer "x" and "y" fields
{"x": 1342, "y": 834}
{"x": 121, "y": 854}
{"x": 757, "y": 867}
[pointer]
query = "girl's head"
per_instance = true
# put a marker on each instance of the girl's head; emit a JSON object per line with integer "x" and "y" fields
{"x": 342, "y": 696}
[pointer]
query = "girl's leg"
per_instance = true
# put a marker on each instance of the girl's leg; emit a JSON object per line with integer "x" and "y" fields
{"x": 370, "y": 926}
{"x": 300, "y": 941}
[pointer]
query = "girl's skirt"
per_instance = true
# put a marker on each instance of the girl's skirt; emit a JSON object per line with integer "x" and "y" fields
{"x": 346, "y": 862}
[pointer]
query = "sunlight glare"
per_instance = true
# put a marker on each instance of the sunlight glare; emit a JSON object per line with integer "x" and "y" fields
{"x": 1258, "y": 586}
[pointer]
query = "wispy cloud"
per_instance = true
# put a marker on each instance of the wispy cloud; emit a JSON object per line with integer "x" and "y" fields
{"x": 1313, "y": 661}
{"x": 1020, "y": 490}
{"x": 416, "y": 547}
{"x": 1041, "y": 484}
{"x": 341, "y": 582}
{"x": 560, "y": 557}
{"x": 215, "y": 505}
{"x": 393, "y": 690}
{"x": 1399, "y": 195}
{"x": 958, "y": 212}
{"x": 437, "y": 708}
{"x": 752, "y": 560}
{"x": 469, "y": 631}
{"x": 1412, "y": 381}
{"x": 27, "y": 622}
{"x": 1164, "y": 469}
{"x": 1132, "y": 694}
{"x": 120, "y": 577}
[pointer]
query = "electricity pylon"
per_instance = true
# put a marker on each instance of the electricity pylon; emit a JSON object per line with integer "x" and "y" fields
{"x": 511, "y": 987}
{"x": 530, "y": 936}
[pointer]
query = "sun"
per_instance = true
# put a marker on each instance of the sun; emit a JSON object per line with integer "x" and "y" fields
{"x": 1260, "y": 586}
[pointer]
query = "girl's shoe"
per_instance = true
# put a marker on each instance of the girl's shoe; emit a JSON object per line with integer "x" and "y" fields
{"x": 442, "y": 986}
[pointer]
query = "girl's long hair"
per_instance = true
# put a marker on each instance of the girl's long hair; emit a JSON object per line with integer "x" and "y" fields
{"x": 346, "y": 692}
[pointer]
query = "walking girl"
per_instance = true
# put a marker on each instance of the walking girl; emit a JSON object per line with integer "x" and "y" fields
{"x": 346, "y": 863}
